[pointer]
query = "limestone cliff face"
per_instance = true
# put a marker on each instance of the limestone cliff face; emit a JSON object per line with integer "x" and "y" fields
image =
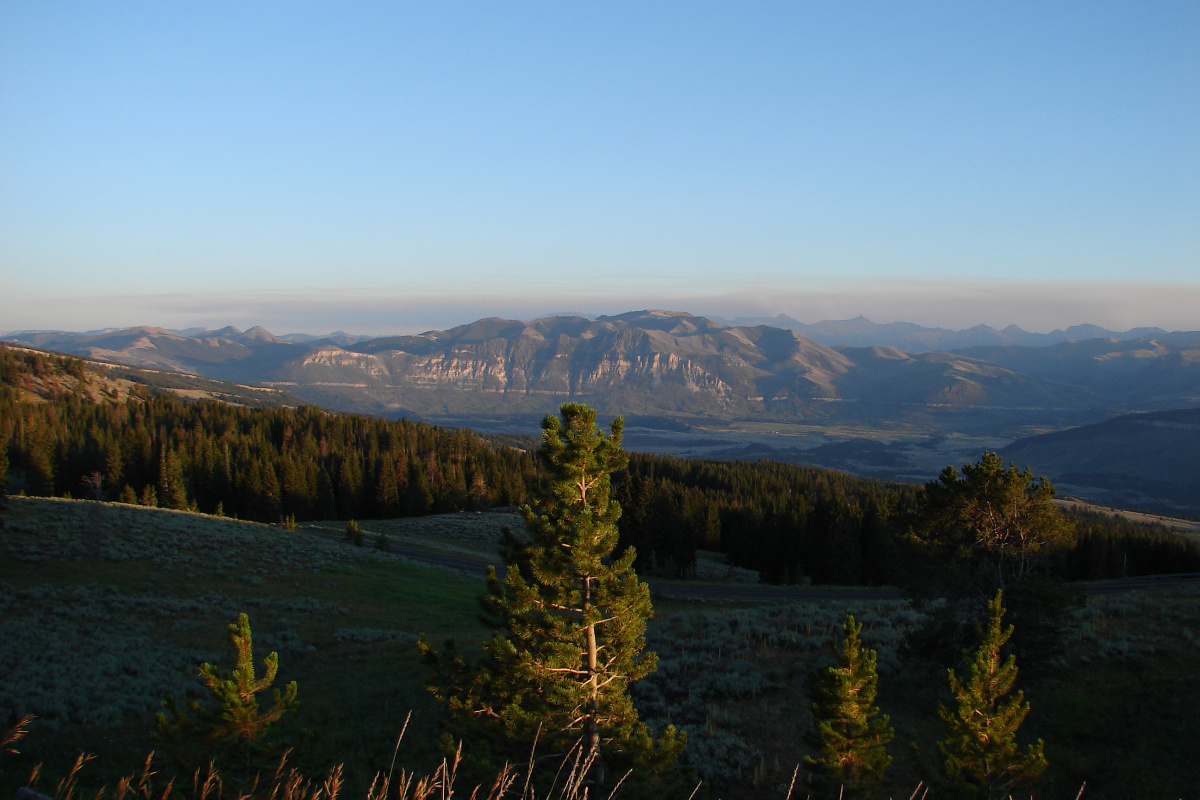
{"x": 655, "y": 363}
{"x": 333, "y": 364}
{"x": 649, "y": 362}
{"x": 666, "y": 360}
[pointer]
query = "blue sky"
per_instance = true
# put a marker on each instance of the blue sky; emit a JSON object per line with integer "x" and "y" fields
{"x": 380, "y": 167}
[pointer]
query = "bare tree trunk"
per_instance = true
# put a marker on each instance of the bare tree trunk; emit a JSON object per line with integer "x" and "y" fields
{"x": 591, "y": 725}
{"x": 94, "y": 486}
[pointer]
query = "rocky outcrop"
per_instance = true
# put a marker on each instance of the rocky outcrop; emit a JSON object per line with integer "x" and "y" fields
{"x": 662, "y": 363}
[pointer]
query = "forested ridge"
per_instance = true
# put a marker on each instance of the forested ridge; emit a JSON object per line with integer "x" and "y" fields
{"x": 790, "y": 523}
{"x": 259, "y": 464}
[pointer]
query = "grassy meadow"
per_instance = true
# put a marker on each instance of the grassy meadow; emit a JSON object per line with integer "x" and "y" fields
{"x": 92, "y": 645}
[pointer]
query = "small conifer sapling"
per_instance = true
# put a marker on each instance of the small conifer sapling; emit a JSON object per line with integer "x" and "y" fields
{"x": 851, "y": 734}
{"x": 236, "y": 726}
{"x": 980, "y": 751}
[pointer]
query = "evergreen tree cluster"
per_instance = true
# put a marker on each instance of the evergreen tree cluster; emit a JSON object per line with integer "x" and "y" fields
{"x": 980, "y": 753}
{"x": 260, "y": 464}
{"x": 995, "y": 523}
{"x": 1110, "y": 546}
{"x": 789, "y": 522}
{"x": 794, "y": 523}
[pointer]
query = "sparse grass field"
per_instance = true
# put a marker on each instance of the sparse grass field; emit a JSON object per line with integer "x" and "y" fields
{"x": 1174, "y": 523}
{"x": 92, "y": 646}
{"x": 467, "y": 534}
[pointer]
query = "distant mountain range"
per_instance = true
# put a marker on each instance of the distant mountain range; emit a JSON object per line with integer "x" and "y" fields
{"x": 670, "y": 363}
{"x": 862, "y": 332}
{"x": 873, "y": 408}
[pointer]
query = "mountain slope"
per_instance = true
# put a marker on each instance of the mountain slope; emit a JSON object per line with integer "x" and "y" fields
{"x": 862, "y": 332}
{"x": 660, "y": 363}
{"x": 37, "y": 376}
{"x": 1135, "y": 460}
{"x": 226, "y": 354}
{"x": 1147, "y": 374}
{"x": 650, "y": 362}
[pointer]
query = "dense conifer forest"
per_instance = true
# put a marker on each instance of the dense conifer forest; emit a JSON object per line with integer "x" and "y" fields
{"x": 259, "y": 464}
{"x": 62, "y": 420}
{"x": 789, "y": 522}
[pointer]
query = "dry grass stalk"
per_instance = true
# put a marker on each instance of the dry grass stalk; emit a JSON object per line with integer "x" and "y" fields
{"x": 68, "y": 787}
{"x": 15, "y": 734}
{"x": 289, "y": 784}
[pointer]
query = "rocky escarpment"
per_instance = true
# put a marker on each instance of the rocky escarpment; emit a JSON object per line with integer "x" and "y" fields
{"x": 665, "y": 363}
{"x": 653, "y": 360}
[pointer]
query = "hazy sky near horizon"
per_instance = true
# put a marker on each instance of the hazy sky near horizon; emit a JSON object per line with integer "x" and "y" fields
{"x": 392, "y": 167}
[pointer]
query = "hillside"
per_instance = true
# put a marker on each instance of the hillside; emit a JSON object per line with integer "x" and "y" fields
{"x": 1136, "y": 460}
{"x": 44, "y": 377}
{"x": 115, "y": 634}
{"x": 62, "y": 420}
{"x": 165, "y": 583}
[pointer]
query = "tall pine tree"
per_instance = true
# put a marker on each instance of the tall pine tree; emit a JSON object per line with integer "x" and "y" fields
{"x": 851, "y": 735}
{"x": 980, "y": 751}
{"x": 570, "y": 622}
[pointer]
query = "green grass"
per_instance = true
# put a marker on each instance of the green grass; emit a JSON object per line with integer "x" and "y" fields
{"x": 466, "y": 534}
{"x": 92, "y": 646}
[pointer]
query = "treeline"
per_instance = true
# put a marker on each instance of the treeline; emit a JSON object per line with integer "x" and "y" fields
{"x": 791, "y": 523}
{"x": 795, "y": 523}
{"x": 1110, "y": 546}
{"x": 788, "y": 522}
{"x": 262, "y": 464}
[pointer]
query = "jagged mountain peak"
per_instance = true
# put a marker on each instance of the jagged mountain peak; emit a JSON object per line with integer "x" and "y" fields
{"x": 663, "y": 362}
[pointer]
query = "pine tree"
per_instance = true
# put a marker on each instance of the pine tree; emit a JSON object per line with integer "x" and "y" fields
{"x": 171, "y": 491}
{"x": 999, "y": 520}
{"x": 570, "y": 620}
{"x": 236, "y": 727}
{"x": 980, "y": 751}
{"x": 851, "y": 735}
